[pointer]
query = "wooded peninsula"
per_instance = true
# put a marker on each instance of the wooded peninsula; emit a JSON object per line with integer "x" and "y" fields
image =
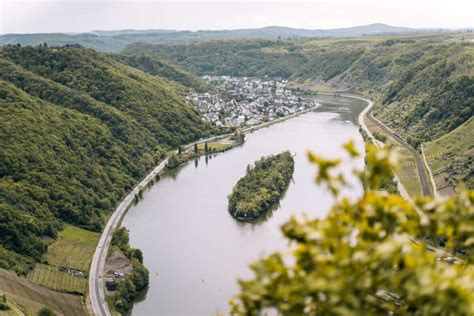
{"x": 262, "y": 186}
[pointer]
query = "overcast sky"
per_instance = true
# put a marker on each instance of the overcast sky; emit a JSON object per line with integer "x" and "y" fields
{"x": 37, "y": 16}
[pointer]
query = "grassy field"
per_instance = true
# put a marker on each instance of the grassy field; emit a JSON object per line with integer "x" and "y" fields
{"x": 73, "y": 249}
{"x": 51, "y": 277}
{"x": 30, "y": 298}
{"x": 450, "y": 158}
{"x": 217, "y": 146}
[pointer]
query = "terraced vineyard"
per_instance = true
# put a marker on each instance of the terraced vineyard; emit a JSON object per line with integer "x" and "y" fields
{"x": 451, "y": 159}
{"x": 68, "y": 260}
{"x": 31, "y": 298}
{"x": 73, "y": 249}
{"x": 51, "y": 277}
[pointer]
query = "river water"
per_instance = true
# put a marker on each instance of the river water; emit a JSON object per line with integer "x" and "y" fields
{"x": 194, "y": 249}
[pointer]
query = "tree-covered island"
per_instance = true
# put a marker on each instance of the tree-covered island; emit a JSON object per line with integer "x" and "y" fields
{"x": 261, "y": 187}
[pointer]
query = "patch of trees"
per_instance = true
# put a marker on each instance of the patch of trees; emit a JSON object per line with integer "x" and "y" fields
{"x": 128, "y": 288}
{"x": 379, "y": 136}
{"x": 261, "y": 187}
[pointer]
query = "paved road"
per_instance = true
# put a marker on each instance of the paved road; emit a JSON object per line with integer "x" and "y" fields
{"x": 96, "y": 281}
{"x": 420, "y": 166}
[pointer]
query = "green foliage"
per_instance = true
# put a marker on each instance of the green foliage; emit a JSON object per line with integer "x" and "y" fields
{"x": 138, "y": 279}
{"x": 10, "y": 260}
{"x": 370, "y": 256}
{"x": 78, "y": 129}
{"x": 3, "y": 303}
{"x": 234, "y": 58}
{"x": 175, "y": 160}
{"x": 120, "y": 239}
{"x": 381, "y": 137}
{"x": 157, "y": 67}
{"x": 238, "y": 137}
{"x": 261, "y": 187}
{"x": 46, "y": 311}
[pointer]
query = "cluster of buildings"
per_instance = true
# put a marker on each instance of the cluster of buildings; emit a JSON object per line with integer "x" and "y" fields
{"x": 247, "y": 101}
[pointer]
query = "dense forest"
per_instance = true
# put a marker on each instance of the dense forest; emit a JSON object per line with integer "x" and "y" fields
{"x": 262, "y": 186}
{"x": 78, "y": 129}
{"x": 156, "y": 66}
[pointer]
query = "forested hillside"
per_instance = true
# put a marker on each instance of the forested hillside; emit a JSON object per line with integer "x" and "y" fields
{"x": 257, "y": 58}
{"x": 155, "y": 66}
{"x": 78, "y": 129}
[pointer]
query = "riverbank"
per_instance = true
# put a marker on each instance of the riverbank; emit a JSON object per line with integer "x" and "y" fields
{"x": 417, "y": 159}
{"x": 198, "y": 249}
{"x": 96, "y": 300}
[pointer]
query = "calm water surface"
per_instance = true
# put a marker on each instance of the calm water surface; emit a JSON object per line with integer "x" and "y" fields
{"x": 194, "y": 249}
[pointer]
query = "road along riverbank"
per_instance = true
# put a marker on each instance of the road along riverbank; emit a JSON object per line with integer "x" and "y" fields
{"x": 96, "y": 298}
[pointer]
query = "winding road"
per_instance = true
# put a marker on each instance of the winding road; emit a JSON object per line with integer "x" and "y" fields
{"x": 96, "y": 280}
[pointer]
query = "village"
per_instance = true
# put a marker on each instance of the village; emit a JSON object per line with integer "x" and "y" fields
{"x": 243, "y": 101}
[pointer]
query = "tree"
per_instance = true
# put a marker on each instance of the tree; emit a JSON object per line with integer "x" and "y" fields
{"x": 46, "y": 311}
{"x": 370, "y": 255}
{"x": 137, "y": 254}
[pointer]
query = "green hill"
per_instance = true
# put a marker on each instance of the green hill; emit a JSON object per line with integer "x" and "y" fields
{"x": 156, "y": 66}
{"x": 78, "y": 129}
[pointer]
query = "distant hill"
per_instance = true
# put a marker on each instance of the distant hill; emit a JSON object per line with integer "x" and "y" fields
{"x": 114, "y": 41}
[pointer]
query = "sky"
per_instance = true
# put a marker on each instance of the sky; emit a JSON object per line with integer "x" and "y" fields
{"x": 39, "y": 16}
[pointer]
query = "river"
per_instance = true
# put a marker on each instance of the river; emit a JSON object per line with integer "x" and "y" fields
{"x": 194, "y": 249}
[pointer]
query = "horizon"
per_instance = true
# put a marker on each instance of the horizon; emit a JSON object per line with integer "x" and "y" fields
{"x": 85, "y": 16}
{"x": 249, "y": 28}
